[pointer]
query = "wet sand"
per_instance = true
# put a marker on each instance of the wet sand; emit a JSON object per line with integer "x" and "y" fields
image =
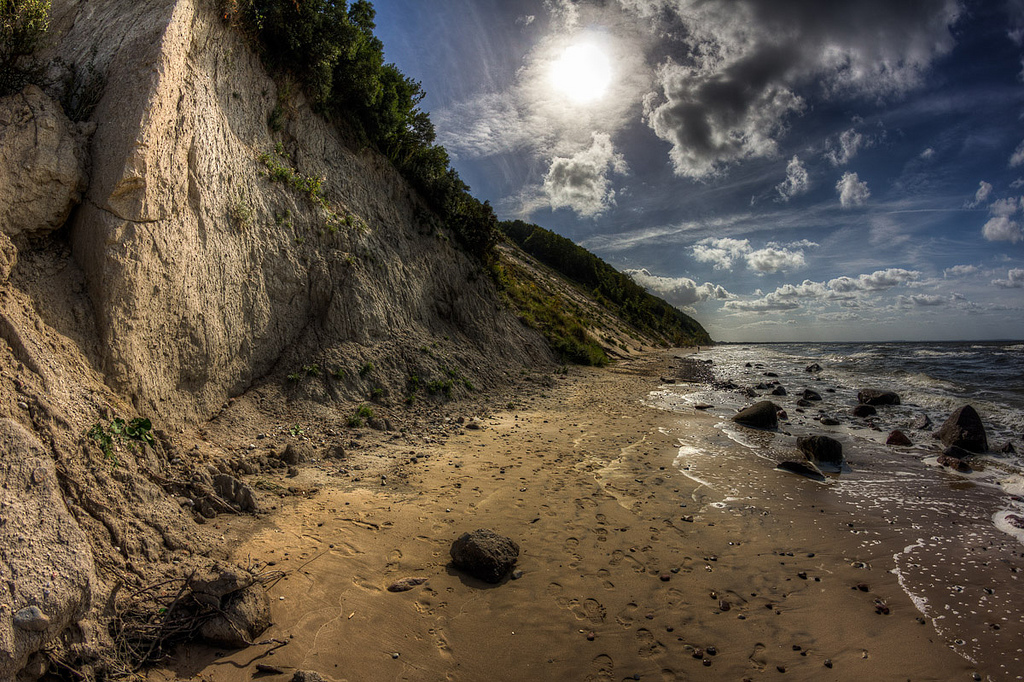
{"x": 631, "y": 568}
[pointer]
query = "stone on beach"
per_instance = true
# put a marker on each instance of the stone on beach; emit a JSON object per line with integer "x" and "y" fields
{"x": 811, "y": 395}
{"x": 864, "y": 411}
{"x": 762, "y": 415}
{"x": 954, "y": 463}
{"x": 821, "y": 449}
{"x": 871, "y": 396}
{"x": 813, "y": 367}
{"x": 244, "y": 615}
{"x": 922, "y": 422}
{"x": 802, "y": 469}
{"x": 405, "y": 584}
{"x": 897, "y": 437}
{"x": 964, "y": 429}
{"x": 484, "y": 554}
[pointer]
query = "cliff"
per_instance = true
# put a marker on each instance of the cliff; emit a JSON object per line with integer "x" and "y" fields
{"x": 201, "y": 236}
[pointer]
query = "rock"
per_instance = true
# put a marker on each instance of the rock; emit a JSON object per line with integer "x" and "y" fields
{"x": 212, "y": 580}
{"x": 43, "y": 162}
{"x": 813, "y": 367}
{"x": 484, "y": 554}
{"x": 782, "y": 415}
{"x": 246, "y": 614}
{"x": 964, "y": 429}
{"x": 1008, "y": 449}
{"x": 803, "y": 402}
{"x": 31, "y": 618}
{"x": 958, "y": 452}
{"x": 864, "y": 411}
{"x": 46, "y": 559}
{"x": 474, "y": 424}
{"x": 897, "y": 437}
{"x": 8, "y": 257}
{"x": 921, "y": 422}
{"x": 821, "y": 449}
{"x": 803, "y": 469}
{"x": 871, "y": 396}
{"x": 405, "y": 584}
{"x": 953, "y": 463}
{"x": 762, "y": 415}
{"x": 779, "y": 390}
{"x": 829, "y": 421}
{"x": 235, "y": 491}
{"x": 307, "y": 676}
{"x": 811, "y": 395}
{"x": 296, "y": 453}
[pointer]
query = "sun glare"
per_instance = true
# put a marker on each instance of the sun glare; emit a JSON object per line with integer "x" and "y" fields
{"x": 582, "y": 73}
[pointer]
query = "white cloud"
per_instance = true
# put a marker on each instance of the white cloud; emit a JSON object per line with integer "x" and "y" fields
{"x": 724, "y": 252}
{"x": 1014, "y": 280}
{"x": 581, "y": 182}
{"x": 879, "y": 280}
{"x": 1017, "y": 158}
{"x": 981, "y": 196}
{"x": 845, "y": 148}
{"x": 526, "y": 19}
{"x": 1017, "y": 184}
{"x": 742, "y": 65}
{"x": 852, "y": 191}
{"x": 928, "y": 154}
{"x": 797, "y": 181}
{"x": 773, "y": 259}
{"x": 928, "y": 300}
{"x": 721, "y": 252}
{"x": 960, "y": 270}
{"x": 679, "y": 291}
{"x": 1003, "y": 226}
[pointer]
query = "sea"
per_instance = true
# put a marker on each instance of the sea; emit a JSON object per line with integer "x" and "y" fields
{"x": 954, "y": 540}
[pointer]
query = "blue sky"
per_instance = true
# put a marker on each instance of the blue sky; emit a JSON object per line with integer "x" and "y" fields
{"x": 786, "y": 170}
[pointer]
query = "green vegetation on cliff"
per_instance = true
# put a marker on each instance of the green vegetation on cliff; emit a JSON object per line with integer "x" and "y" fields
{"x": 23, "y": 24}
{"x": 329, "y": 48}
{"x": 609, "y": 287}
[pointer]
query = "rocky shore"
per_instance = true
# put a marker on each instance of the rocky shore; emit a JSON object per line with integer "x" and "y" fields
{"x": 630, "y": 565}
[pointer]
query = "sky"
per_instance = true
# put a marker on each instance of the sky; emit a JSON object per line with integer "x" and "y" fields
{"x": 793, "y": 170}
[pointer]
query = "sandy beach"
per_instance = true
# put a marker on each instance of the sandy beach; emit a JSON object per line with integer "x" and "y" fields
{"x": 630, "y": 568}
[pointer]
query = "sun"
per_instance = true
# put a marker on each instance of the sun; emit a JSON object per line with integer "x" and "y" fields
{"x": 582, "y": 73}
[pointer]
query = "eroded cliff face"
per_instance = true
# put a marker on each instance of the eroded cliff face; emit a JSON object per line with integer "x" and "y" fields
{"x": 197, "y": 265}
{"x": 205, "y": 274}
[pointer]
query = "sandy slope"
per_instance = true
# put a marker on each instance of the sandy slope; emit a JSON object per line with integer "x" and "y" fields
{"x": 631, "y": 570}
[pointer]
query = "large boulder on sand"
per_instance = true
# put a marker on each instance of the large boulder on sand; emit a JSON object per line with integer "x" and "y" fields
{"x": 871, "y": 396}
{"x": 42, "y": 163}
{"x": 762, "y": 415}
{"x": 484, "y": 554}
{"x": 244, "y": 615}
{"x": 965, "y": 430}
{"x": 821, "y": 449}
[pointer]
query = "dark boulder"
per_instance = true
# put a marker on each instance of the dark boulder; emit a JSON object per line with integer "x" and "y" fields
{"x": 958, "y": 452}
{"x": 813, "y": 367}
{"x": 296, "y": 453}
{"x": 829, "y": 421}
{"x": 954, "y": 463}
{"x": 762, "y": 415}
{"x": 1008, "y": 449}
{"x": 871, "y": 396}
{"x": 821, "y": 449}
{"x": 811, "y": 395}
{"x": 921, "y": 422}
{"x": 771, "y": 374}
{"x": 803, "y": 469}
{"x": 243, "y": 616}
{"x": 803, "y": 402}
{"x": 897, "y": 437}
{"x": 964, "y": 429}
{"x": 484, "y": 554}
{"x": 864, "y": 411}
{"x": 778, "y": 390}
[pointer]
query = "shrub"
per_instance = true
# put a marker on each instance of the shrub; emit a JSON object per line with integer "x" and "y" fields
{"x": 23, "y": 23}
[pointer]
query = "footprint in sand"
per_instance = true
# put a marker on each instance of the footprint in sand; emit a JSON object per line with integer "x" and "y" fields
{"x": 617, "y": 557}
{"x": 627, "y": 615}
{"x": 555, "y": 591}
{"x": 394, "y": 556}
{"x": 602, "y": 534}
{"x": 757, "y": 658}
{"x": 669, "y": 675}
{"x": 601, "y": 518}
{"x": 600, "y": 669}
{"x": 589, "y": 609}
{"x": 647, "y": 645}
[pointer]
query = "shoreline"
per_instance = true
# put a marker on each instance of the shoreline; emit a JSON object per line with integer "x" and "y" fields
{"x": 619, "y": 578}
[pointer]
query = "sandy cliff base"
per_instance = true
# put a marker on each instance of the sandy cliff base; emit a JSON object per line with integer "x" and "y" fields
{"x": 630, "y": 569}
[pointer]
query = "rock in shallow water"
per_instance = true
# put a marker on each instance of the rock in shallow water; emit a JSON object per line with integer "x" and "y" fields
{"x": 964, "y": 429}
{"x": 897, "y": 437}
{"x": 802, "y": 469}
{"x": 871, "y": 396}
{"x": 762, "y": 415}
{"x": 821, "y": 449}
{"x": 484, "y": 554}
{"x": 864, "y": 411}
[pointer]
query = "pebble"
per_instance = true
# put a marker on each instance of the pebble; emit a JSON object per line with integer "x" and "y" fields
{"x": 665, "y": 577}
{"x": 22, "y": 404}
{"x": 591, "y": 636}
{"x": 31, "y": 618}
{"x": 517, "y": 574}
{"x": 828, "y": 662}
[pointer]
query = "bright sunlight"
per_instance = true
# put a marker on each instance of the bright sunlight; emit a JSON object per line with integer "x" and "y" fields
{"x": 582, "y": 73}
